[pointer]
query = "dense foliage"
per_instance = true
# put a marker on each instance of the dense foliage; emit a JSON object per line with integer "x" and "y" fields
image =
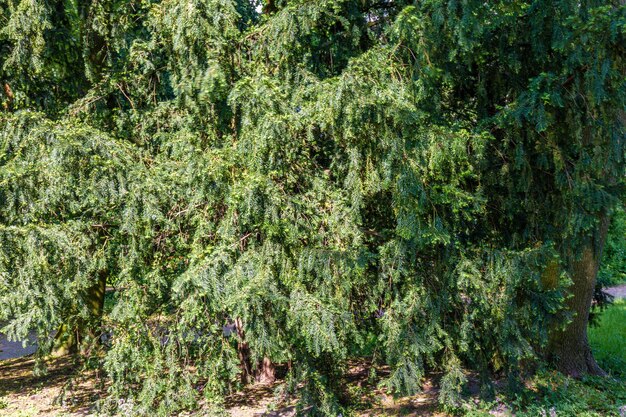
{"x": 613, "y": 270}
{"x": 341, "y": 178}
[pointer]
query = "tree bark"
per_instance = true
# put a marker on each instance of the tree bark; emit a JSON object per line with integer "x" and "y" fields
{"x": 69, "y": 338}
{"x": 269, "y": 7}
{"x": 65, "y": 341}
{"x": 266, "y": 373}
{"x": 569, "y": 347}
{"x": 9, "y": 96}
{"x": 243, "y": 351}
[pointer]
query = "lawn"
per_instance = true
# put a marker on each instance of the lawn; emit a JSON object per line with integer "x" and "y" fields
{"x": 608, "y": 339}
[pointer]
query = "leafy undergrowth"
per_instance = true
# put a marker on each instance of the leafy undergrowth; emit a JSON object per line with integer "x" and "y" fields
{"x": 547, "y": 394}
{"x": 550, "y": 394}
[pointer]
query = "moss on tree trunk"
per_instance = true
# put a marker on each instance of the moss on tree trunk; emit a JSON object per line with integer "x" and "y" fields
{"x": 72, "y": 337}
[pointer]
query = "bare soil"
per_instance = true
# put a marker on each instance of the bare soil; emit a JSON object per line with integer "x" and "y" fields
{"x": 65, "y": 392}
{"x": 60, "y": 392}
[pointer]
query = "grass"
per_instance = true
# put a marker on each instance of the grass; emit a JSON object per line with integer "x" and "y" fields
{"x": 608, "y": 339}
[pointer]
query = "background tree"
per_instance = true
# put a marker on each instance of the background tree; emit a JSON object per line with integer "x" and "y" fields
{"x": 62, "y": 187}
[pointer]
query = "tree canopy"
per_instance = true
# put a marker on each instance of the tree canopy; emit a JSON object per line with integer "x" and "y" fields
{"x": 415, "y": 182}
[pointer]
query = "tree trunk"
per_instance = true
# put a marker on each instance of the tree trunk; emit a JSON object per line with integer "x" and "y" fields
{"x": 6, "y": 104}
{"x": 94, "y": 299}
{"x": 70, "y": 337}
{"x": 569, "y": 348}
{"x": 65, "y": 342}
{"x": 243, "y": 351}
{"x": 269, "y": 7}
{"x": 266, "y": 372}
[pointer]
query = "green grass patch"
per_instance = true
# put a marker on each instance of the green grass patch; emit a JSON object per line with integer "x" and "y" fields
{"x": 608, "y": 339}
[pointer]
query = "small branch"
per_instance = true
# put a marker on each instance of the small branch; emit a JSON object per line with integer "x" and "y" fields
{"x": 132, "y": 105}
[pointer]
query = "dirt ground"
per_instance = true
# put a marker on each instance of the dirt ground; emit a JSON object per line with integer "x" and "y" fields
{"x": 62, "y": 393}
{"x": 58, "y": 393}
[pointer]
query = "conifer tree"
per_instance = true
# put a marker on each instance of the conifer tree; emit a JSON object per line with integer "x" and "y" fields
{"x": 427, "y": 184}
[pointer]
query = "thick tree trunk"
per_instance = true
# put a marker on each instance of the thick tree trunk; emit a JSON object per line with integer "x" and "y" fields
{"x": 94, "y": 299}
{"x": 266, "y": 373}
{"x": 70, "y": 338}
{"x": 569, "y": 348}
{"x": 65, "y": 341}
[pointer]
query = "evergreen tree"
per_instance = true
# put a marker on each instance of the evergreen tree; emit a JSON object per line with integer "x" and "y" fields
{"x": 424, "y": 183}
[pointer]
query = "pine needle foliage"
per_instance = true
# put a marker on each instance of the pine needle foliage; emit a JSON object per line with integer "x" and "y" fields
{"x": 323, "y": 172}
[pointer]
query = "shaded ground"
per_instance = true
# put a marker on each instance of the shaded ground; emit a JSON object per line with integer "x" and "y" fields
{"x": 256, "y": 401}
{"x": 424, "y": 404}
{"x": 61, "y": 393}
{"x": 24, "y": 395}
{"x": 57, "y": 393}
{"x": 368, "y": 399}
